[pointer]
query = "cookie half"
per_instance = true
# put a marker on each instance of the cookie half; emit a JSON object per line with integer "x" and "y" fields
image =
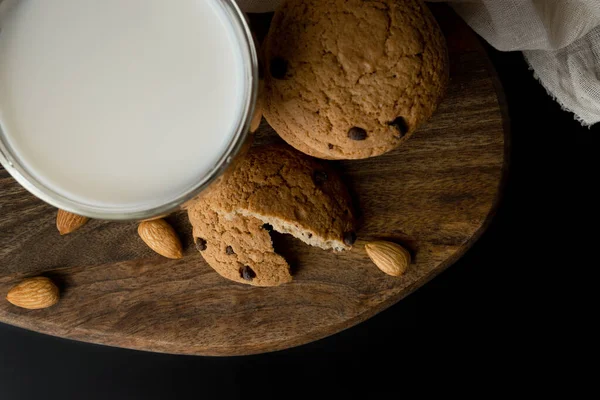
{"x": 238, "y": 247}
{"x": 294, "y": 193}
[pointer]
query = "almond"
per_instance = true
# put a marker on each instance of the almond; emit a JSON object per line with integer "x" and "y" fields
{"x": 67, "y": 222}
{"x": 34, "y": 294}
{"x": 161, "y": 237}
{"x": 391, "y": 258}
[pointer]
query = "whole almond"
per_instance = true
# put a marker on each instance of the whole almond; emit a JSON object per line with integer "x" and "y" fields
{"x": 34, "y": 293}
{"x": 391, "y": 258}
{"x": 161, "y": 237}
{"x": 67, "y": 222}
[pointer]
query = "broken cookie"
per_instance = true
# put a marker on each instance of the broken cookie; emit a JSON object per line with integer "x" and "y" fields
{"x": 278, "y": 188}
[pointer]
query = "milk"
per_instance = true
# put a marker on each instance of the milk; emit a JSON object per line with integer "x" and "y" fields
{"x": 119, "y": 104}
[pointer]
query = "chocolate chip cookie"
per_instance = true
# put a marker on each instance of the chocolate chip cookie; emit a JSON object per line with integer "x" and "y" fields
{"x": 273, "y": 187}
{"x": 350, "y": 79}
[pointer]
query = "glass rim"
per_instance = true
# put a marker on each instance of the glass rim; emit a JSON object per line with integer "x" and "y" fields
{"x": 250, "y": 64}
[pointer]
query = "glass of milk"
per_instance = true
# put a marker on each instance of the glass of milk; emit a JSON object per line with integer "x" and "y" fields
{"x": 123, "y": 109}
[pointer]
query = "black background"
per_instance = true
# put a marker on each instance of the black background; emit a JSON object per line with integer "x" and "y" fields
{"x": 493, "y": 317}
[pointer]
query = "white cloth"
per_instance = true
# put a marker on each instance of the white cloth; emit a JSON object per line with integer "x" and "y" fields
{"x": 559, "y": 38}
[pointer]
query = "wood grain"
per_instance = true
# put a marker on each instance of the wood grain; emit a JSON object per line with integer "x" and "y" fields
{"x": 435, "y": 195}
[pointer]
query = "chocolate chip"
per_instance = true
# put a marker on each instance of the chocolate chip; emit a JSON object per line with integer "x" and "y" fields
{"x": 310, "y": 235}
{"x": 320, "y": 177}
{"x": 278, "y": 68}
{"x": 229, "y": 250}
{"x": 268, "y": 227}
{"x": 401, "y": 126}
{"x": 200, "y": 244}
{"x": 349, "y": 238}
{"x": 330, "y": 146}
{"x": 247, "y": 273}
{"x": 357, "y": 133}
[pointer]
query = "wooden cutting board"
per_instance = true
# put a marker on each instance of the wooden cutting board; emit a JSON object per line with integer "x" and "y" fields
{"x": 435, "y": 194}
